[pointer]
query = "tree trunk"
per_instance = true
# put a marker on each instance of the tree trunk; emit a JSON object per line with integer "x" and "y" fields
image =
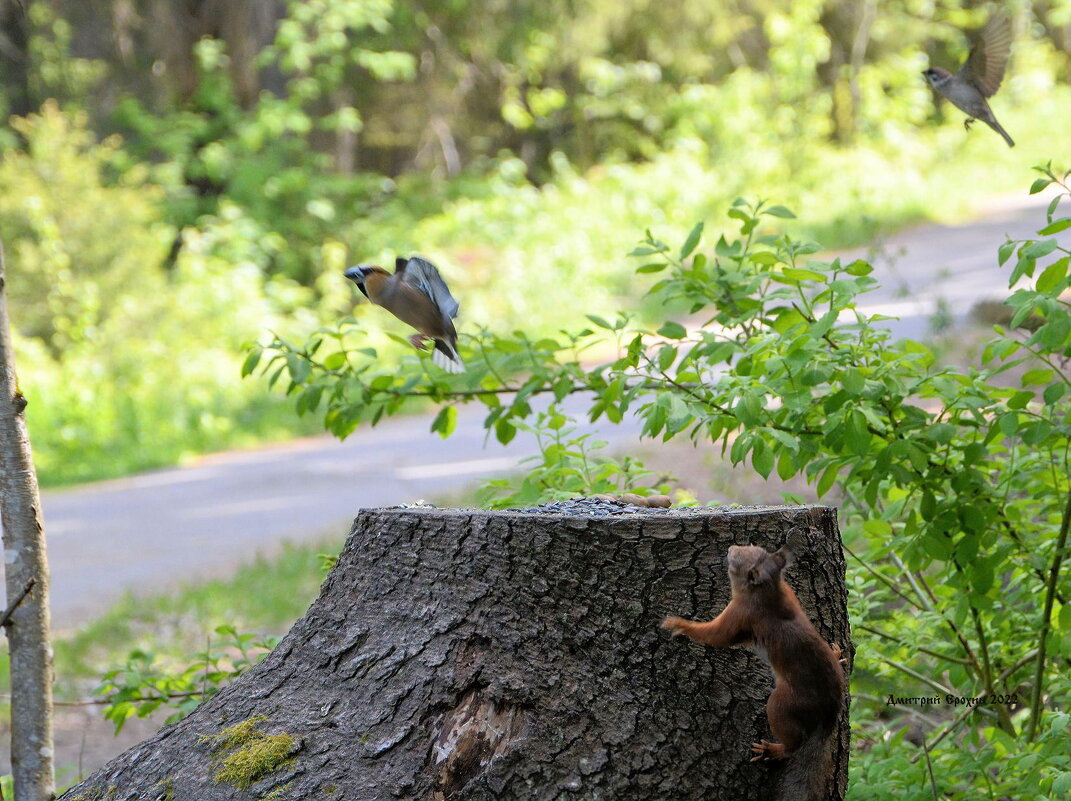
{"x": 505, "y": 655}
{"x": 15, "y": 57}
{"x": 25, "y": 565}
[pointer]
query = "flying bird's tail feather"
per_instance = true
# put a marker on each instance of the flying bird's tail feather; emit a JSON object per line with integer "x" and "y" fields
{"x": 997, "y": 127}
{"x": 445, "y": 356}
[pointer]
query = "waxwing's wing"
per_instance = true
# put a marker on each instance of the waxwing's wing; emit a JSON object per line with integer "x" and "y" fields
{"x": 424, "y": 276}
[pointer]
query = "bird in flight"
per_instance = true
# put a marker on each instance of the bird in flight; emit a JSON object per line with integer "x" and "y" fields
{"x": 417, "y": 295}
{"x": 980, "y": 76}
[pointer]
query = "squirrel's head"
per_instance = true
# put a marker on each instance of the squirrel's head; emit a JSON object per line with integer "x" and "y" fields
{"x": 751, "y": 567}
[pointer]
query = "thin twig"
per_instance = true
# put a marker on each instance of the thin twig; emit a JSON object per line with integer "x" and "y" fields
{"x": 937, "y": 655}
{"x": 105, "y": 701}
{"x": 916, "y": 675}
{"x": 5, "y": 619}
{"x": 1046, "y": 620}
{"x": 929, "y": 770}
{"x": 883, "y": 579}
{"x": 951, "y": 727}
{"x": 1026, "y": 660}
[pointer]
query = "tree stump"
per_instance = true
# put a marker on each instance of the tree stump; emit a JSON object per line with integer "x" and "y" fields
{"x": 459, "y": 654}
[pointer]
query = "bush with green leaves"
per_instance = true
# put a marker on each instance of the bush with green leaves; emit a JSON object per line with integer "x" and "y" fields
{"x": 143, "y": 684}
{"x": 954, "y": 482}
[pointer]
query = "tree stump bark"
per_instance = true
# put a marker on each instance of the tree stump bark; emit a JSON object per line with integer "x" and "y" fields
{"x": 457, "y": 654}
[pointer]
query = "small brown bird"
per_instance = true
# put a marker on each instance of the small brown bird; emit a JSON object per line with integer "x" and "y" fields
{"x": 980, "y": 77}
{"x": 416, "y": 294}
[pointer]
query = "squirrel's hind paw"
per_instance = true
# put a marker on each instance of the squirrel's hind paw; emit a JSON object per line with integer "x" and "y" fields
{"x": 837, "y": 653}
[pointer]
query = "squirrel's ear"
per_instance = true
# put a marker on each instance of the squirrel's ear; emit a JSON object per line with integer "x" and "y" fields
{"x": 765, "y": 570}
{"x": 785, "y": 556}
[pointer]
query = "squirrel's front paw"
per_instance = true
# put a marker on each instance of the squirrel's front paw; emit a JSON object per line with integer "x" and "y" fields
{"x": 767, "y": 750}
{"x": 676, "y": 625}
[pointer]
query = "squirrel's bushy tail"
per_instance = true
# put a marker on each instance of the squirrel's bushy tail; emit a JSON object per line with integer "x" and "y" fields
{"x": 807, "y": 770}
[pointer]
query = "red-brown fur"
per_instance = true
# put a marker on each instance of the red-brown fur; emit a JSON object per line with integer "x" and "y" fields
{"x": 765, "y": 614}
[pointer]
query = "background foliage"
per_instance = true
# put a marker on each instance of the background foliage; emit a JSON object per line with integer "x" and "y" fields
{"x": 179, "y": 177}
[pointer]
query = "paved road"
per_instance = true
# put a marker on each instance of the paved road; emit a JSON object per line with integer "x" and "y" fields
{"x": 153, "y": 531}
{"x": 956, "y": 265}
{"x": 150, "y": 532}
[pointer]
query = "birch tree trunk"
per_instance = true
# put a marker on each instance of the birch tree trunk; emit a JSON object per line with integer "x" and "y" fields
{"x": 491, "y": 656}
{"x": 25, "y": 566}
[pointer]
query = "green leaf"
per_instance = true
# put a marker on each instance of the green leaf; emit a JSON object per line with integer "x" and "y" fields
{"x": 940, "y": 432}
{"x": 741, "y": 445}
{"x": 786, "y": 465}
{"x": 505, "y": 431}
{"x": 1008, "y": 423}
{"x": 299, "y": 368}
{"x": 673, "y": 330}
{"x": 878, "y": 528}
{"x": 762, "y": 459}
{"x": 599, "y": 321}
{"x": 1054, "y": 392}
{"x": 1064, "y": 618}
{"x": 853, "y": 381}
{"x": 1061, "y": 785}
{"x": 779, "y": 211}
{"x": 445, "y": 421}
{"x": 982, "y": 580}
{"x": 1020, "y": 399}
{"x": 859, "y": 268}
{"x": 829, "y": 476}
{"x": 691, "y": 241}
{"x": 667, "y": 354}
{"x": 562, "y": 387}
{"x": 799, "y": 274}
{"x": 1052, "y": 279}
{"x": 1042, "y": 375}
{"x": 1025, "y": 266}
{"x": 1004, "y": 251}
{"x": 335, "y": 360}
{"x": 652, "y": 267}
{"x": 790, "y": 442}
{"x": 1056, "y": 226}
{"x": 1024, "y": 310}
{"x": 857, "y": 435}
{"x": 252, "y": 360}
{"x": 764, "y": 258}
{"x": 1038, "y": 249}
{"x": 1039, "y": 185}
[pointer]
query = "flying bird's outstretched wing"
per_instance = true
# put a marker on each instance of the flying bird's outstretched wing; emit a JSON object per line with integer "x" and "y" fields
{"x": 989, "y": 56}
{"x": 424, "y": 276}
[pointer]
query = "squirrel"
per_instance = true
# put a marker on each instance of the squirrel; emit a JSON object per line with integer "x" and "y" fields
{"x": 805, "y": 704}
